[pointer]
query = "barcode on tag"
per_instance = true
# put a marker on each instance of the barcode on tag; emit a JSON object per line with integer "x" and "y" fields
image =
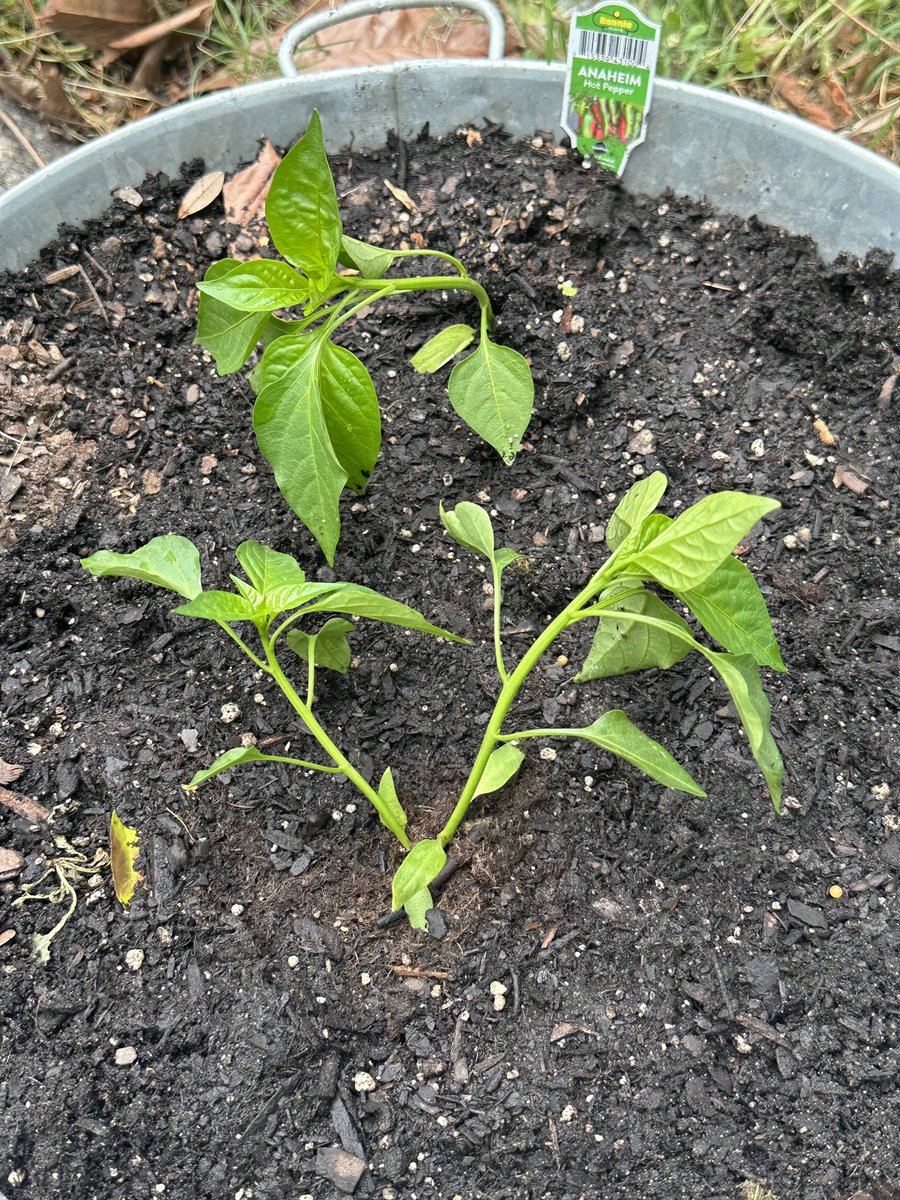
{"x": 613, "y": 47}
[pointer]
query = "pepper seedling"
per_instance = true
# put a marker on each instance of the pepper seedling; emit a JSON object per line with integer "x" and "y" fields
{"x": 273, "y": 599}
{"x": 316, "y": 417}
{"x": 690, "y": 557}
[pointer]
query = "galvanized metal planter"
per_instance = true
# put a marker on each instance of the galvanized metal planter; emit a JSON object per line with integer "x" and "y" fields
{"x": 744, "y": 158}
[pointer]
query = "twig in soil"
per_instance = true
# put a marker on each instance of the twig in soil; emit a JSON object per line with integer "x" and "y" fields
{"x": 181, "y": 822}
{"x": 549, "y": 936}
{"x": 20, "y": 442}
{"x": 21, "y": 138}
{"x": 54, "y": 373}
{"x": 93, "y": 291}
{"x": 416, "y": 973}
{"x": 101, "y": 269}
{"x": 764, "y": 1030}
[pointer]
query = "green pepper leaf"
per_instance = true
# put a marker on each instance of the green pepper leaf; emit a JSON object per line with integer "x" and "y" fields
{"x": 637, "y": 503}
{"x": 730, "y": 607}
{"x": 622, "y": 645}
{"x": 419, "y": 869}
{"x": 351, "y": 411}
{"x": 356, "y": 600}
{"x": 687, "y": 552}
{"x": 218, "y": 606}
{"x": 258, "y": 286}
{"x": 268, "y": 569}
{"x": 470, "y": 526}
{"x": 392, "y": 813}
{"x": 742, "y": 680}
{"x": 445, "y": 345}
{"x": 302, "y": 209}
{"x": 417, "y": 909}
{"x": 493, "y": 392}
{"x": 227, "y": 333}
{"x": 370, "y": 261}
{"x": 329, "y": 647}
{"x": 617, "y": 734}
{"x": 170, "y": 562}
{"x": 501, "y": 766}
{"x": 293, "y": 436}
{"x": 364, "y": 602}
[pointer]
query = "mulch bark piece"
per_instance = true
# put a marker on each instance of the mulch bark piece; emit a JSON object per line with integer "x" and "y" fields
{"x": 686, "y": 1007}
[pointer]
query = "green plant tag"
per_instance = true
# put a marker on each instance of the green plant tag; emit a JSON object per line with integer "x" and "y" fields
{"x": 609, "y": 82}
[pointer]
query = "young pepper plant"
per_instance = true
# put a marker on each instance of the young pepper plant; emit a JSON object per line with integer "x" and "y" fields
{"x": 273, "y": 599}
{"x": 316, "y": 416}
{"x": 690, "y": 557}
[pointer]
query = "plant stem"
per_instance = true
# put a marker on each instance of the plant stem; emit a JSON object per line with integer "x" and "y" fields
{"x": 510, "y": 690}
{"x": 464, "y": 274}
{"x": 432, "y": 283}
{"x": 305, "y": 713}
{"x": 498, "y": 647}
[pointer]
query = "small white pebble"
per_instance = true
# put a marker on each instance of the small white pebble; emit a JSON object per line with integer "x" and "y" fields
{"x": 293, "y": 961}
{"x": 125, "y": 1056}
{"x": 237, "y": 910}
{"x": 134, "y": 960}
{"x": 230, "y": 713}
{"x": 548, "y": 754}
{"x": 365, "y": 979}
{"x": 563, "y": 353}
{"x": 498, "y": 991}
{"x": 568, "y": 1113}
{"x": 363, "y": 1082}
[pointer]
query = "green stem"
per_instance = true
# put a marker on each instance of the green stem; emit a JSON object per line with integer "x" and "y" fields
{"x": 432, "y": 283}
{"x": 311, "y": 671}
{"x": 302, "y": 762}
{"x": 464, "y": 274}
{"x": 510, "y": 690}
{"x": 498, "y": 648}
{"x": 243, "y": 645}
{"x": 305, "y": 713}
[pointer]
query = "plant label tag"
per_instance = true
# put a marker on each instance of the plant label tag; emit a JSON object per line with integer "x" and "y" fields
{"x": 609, "y": 82}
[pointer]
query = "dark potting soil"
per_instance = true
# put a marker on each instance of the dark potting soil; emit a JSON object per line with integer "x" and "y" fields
{"x": 687, "y": 1007}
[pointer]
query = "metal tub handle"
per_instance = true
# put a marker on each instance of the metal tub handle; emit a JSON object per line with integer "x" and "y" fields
{"x": 364, "y": 8}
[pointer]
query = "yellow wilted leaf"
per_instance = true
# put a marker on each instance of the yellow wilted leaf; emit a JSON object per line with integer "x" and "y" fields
{"x": 123, "y": 850}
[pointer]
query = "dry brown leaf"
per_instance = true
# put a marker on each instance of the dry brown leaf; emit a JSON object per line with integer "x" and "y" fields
{"x": 189, "y": 18}
{"x": 391, "y": 36}
{"x": 11, "y": 863}
{"x": 403, "y": 196}
{"x": 825, "y": 434}
{"x": 201, "y": 194}
{"x": 7, "y": 936}
{"x": 95, "y": 23}
{"x": 9, "y": 772}
{"x": 24, "y": 806}
{"x": 245, "y": 193}
{"x": 472, "y": 137}
{"x": 795, "y": 94}
{"x": 887, "y": 390}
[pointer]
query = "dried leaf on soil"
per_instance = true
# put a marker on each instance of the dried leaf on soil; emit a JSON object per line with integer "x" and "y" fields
{"x": 201, "y": 194}
{"x": 188, "y": 18}
{"x": 11, "y": 863}
{"x": 123, "y": 851}
{"x": 403, "y": 196}
{"x": 24, "y": 806}
{"x": 245, "y": 192}
{"x": 95, "y": 23}
{"x": 9, "y": 772}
